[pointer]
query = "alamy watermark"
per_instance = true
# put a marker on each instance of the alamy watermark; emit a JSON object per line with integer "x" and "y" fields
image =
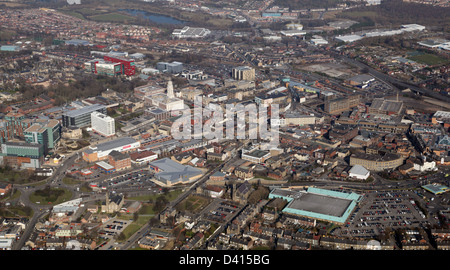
{"x": 213, "y": 123}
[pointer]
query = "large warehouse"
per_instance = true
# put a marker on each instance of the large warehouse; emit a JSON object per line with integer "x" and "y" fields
{"x": 102, "y": 150}
{"x": 169, "y": 172}
{"x": 320, "y": 204}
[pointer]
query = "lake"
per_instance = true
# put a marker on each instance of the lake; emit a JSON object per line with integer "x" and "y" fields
{"x": 157, "y": 18}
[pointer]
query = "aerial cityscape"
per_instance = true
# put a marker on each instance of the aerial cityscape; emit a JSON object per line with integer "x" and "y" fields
{"x": 230, "y": 125}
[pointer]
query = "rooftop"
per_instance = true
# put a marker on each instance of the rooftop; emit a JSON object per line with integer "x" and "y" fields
{"x": 87, "y": 109}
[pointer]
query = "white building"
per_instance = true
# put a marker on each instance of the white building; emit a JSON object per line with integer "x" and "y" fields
{"x": 191, "y": 32}
{"x": 359, "y": 172}
{"x": 103, "y": 124}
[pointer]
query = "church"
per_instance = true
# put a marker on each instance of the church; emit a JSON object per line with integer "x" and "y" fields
{"x": 166, "y": 101}
{"x": 112, "y": 203}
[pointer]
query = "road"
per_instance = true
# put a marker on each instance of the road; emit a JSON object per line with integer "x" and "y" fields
{"x": 386, "y": 78}
{"x": 144, "y": 229}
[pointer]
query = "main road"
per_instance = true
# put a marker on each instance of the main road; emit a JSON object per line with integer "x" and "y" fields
{"x": 144, "y": 229}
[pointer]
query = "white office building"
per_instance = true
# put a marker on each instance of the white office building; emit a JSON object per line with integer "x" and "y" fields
{"x": 103, "y": 124}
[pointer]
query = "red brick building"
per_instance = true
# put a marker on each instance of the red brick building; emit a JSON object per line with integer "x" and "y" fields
{"x": 119, "y": 160}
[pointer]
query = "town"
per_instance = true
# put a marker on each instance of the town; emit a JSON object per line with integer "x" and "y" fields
{"x": 91, "y": 94}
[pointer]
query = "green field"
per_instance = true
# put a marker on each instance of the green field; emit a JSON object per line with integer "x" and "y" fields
{"x": 111, "y": 17}
{"x": 428, "y": 59}
{"x": 50, "y": 196}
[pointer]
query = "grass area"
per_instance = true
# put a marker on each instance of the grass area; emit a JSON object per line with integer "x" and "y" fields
{"x": 112, "y": 17}
{"x": 134, "y": 226}
{"x": 73, "y": 14}
{"x": 16, "y": 211}
{"x": 193, "y": 203}
{"x": 9, "y": 175}
{"x": 428, "y": 59}
{"x": 50, "y": 196}
{"x": 170, "y": 196}
{"x": 11, "y": 197}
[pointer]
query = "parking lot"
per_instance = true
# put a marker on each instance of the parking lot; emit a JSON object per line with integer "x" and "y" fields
{"x": 380, "y": 210}
{"x": 221, "y": 211}
{"x": 136, "y": 180}
{"x": 111, "y": 229}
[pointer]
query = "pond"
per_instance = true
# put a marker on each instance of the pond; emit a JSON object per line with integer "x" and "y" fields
{"x": 158, "y": 18}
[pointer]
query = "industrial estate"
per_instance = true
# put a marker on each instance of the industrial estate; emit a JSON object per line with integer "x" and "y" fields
{"x": 92, "y": 92}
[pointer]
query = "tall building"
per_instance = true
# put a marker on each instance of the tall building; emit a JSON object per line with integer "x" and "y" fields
{"x": 45, "y": 132}
{"x": 103, "y": 124}
{"x": 243, "y": 73}
{"x": 81, "y": 117}
{"x": 13, "y": 126}
{"x": 37, "y": 134}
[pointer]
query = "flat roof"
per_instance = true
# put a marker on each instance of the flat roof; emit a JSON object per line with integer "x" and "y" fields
{"x": 173, "y": 171}
{"x": 112, "y": 144}
{"x": 84, "y": 110}
{"x": 322, "y": 204}
{"x": 435, "y": 188}
{"x": 105, "y": 165}
{"x": 257, "y": 153}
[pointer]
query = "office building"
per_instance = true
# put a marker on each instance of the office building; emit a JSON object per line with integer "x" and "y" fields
{"x": 127, "y": 65}
{"x": 243, "y": 73}
{"x": 21, "y": 155}
{"x": 102, "y": 124}
{"x": 45, "y": 132}
{"x": 81, "y": 117}
{"x": 172, "y": 68}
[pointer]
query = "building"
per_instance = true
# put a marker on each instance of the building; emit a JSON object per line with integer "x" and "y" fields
{"x": 23, "y": 155}
{"x": 102, "y": 124}
{"x": 190, "y": 32}
{"x": 245, "y": 73}
{"x": 102, "y": 150}
{"x": 436, "y": 189}
{"x": 119, "y": 160}
{"x": 167, "y": 102}
{"x": 143, "y": 157}
{"x": 359, "y": 172}
{"x": 113, "y": 203}
{"x": 361, "y": 80}
{"x": 169, "y": 172}
{"x": 4, "y": 188}
{"x": 256, "y": 156}
{"x": 172, "y": 68}
{"x": 382, "y": 106}
{"x": 127, "y": 65}
{"x": 81, "y": 117}
{"x": 148, "y": 90}
{"x": 320, "y": 204}
{"x": 377, "y": 162}
{"x": 45, "y": 132}
{"x": 339, "y": 105}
